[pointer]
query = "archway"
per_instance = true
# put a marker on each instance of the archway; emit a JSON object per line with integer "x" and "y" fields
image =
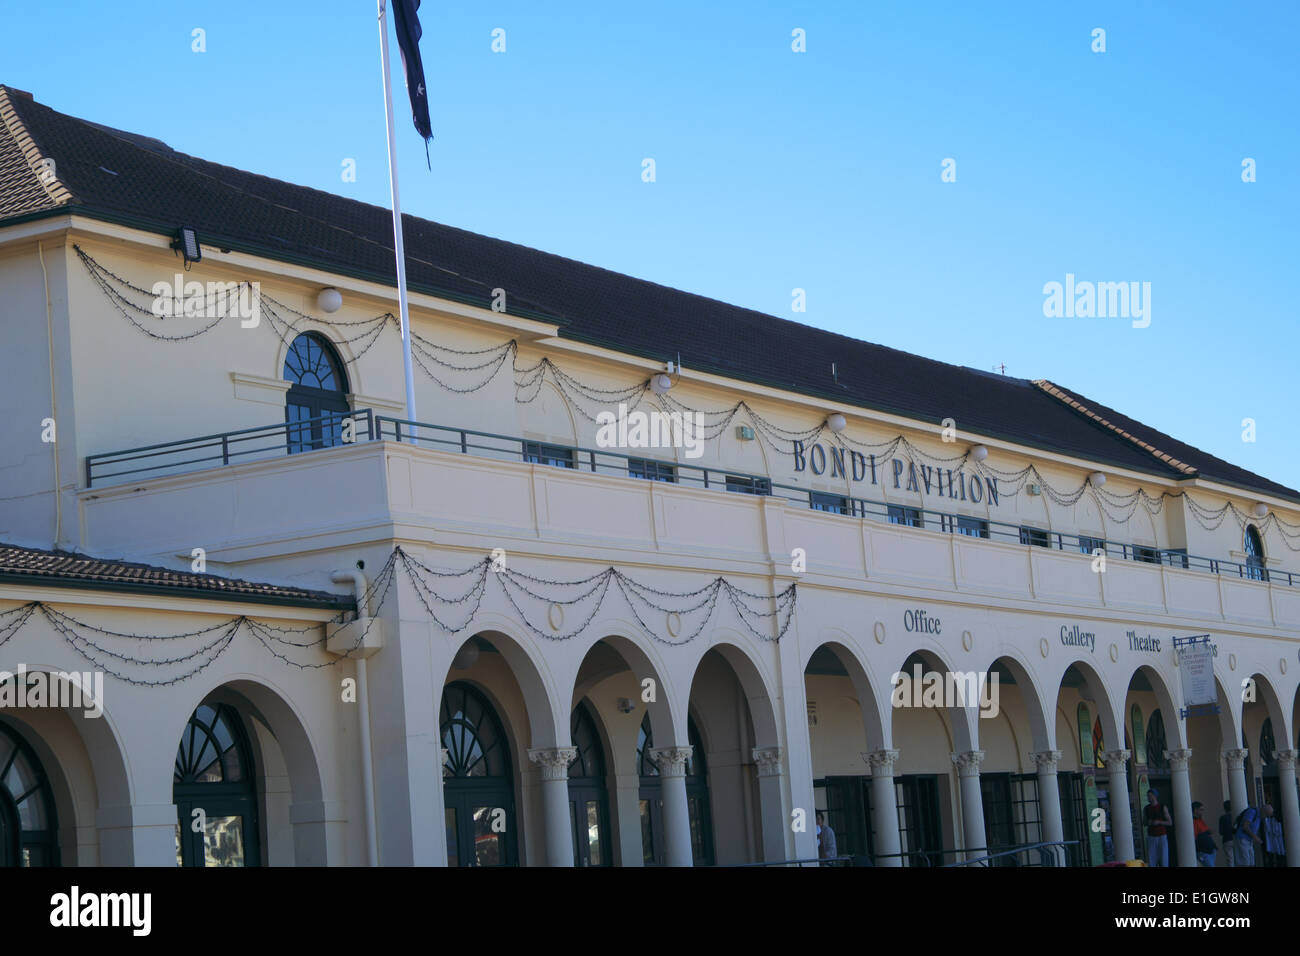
{"x": 214, "y": 789}
{"x": 589, "y": 792}
{"x": 478, "y": 789}
{"x": 28, "y": 819}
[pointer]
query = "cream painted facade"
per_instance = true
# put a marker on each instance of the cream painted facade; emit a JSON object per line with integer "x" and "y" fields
{"x": 773, "y": 730}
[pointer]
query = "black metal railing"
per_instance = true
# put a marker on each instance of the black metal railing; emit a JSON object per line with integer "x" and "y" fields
{"x": 1045, "y": 853}
{"x": 844, "y": 860}
{"x": 289, "y": 437}
{"x": 244, "y": 444}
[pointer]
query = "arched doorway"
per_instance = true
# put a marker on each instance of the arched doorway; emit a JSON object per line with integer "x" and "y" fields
{"x": 478, "y": 793}
{"x": 651, "y": 803}
{"x": 589, "y": 793}
{"x": 317, "y": 401}
{"x": 28, "y": 828}
{"x": 214, "y": 792}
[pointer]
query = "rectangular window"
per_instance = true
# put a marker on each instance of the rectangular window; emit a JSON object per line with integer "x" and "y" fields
{"x": 1034, "y": 536}
{"x": 1088, "y": 545}
{"x": 542, "y": 454}
{"x": 972, "y": 527}
{"x": 1147, "y": 555}
{"x": 911, "y": 517}
{"x": 820, "y": 501}
{"x": 651, "y": 470}
{"x": 1176, "y": 557}
{"x": 749, "y": 486}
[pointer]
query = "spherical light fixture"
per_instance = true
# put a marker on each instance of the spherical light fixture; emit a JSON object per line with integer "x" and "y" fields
{"x": 1098, "y": 478}
{"x": 979, "y": 452}
{"x": 329, "y": 300}
{"x": 1261, "y": 510}
{"x": 836, "y": 422}
{"x": 660, "y": 383}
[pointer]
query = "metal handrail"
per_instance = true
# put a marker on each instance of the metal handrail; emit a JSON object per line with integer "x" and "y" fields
{"x": 843, "y": 859}
{"x": 469, "y": 441}
{"x": 285, "y": 435}
{"x": 1044, "y": 849}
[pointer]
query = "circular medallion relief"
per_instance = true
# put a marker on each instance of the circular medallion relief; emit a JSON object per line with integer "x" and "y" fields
{"x": 967, "y": 641}
{"x": 1282, "y": 665}
{"x": 674, "y": 623}
{"x": 555, "y": 616}
{"x": 1114, "y": 653}
{"x": 1232, "y": 662}
{"x": 1042, "y": 646}
{"x": 880, "y": 632}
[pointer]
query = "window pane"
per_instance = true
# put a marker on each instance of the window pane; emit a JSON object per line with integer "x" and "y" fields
{"x": 487, "y": 845}
{"x": 223, "y": 841}
{"x": 453, "y": 839}
{"x": 647, "y": 835}
{"x": 593, "y": 834}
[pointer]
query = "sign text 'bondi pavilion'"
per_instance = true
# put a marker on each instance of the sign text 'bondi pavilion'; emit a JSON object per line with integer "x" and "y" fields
{"x": 906, "y": 476}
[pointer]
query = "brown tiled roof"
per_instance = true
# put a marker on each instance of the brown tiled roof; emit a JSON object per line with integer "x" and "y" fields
{"x": 127, "y": 178}
{"x": 65, "y": 569}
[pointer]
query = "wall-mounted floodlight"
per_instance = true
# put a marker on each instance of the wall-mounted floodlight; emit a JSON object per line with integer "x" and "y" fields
{"x": 1098, "y": 478}
{"x": 1261, "y": 510}
{"x": 979, "y": 452}
{"x": 660, "y": 383}
{"x": 836, "y": 422}
{"x": 187, "y": 244}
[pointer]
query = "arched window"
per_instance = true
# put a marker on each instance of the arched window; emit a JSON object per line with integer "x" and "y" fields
{"x": 1266, "y": 747}
{"x": 214, "y": 791}
{"x": 1156, "y": 743}
{"x": 477, "y": 785}
{"x": 588, "y": 792}
{"x": 28, "y": 827}
{"x": 1254, "y": 546}
{"x": 697, "y": 798}
{"x": 317, "y": 400}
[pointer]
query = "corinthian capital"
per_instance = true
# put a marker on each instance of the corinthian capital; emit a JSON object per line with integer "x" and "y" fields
{"x": 1286, "y": 759}
{"x": 1236, "y": 758}
{"x": 1046, "y": 761}
{"x": 554, "y": 761}
{"x": 1115, "y": 759}
{"x": 1178, "y": 759}
{"x": 881, "y": 762}
{"x": 968, "y": 763}
{"x": 769, "y": 761}
{"x": 671, "y": 761}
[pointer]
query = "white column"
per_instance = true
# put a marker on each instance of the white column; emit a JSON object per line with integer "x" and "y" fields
{"x": 1049, "y": 803}
{"x": 554, "y": 762}
{"x": 771, "y": 808}
{"x": 671, "y": 762}
{"x": 1182, "y": 805}
{"x": 1121, "y": 810}
{"x": 1235, "y": 761}
{"x": 1286, "y": 760}
{"x": 884, "y": 806}
{"x": 972, "y": 802}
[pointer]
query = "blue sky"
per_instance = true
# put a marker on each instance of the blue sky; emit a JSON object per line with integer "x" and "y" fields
{"x": 779, "y": 170}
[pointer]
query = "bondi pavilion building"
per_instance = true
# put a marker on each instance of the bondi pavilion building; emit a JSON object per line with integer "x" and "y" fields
{"x": 631, "y": 589}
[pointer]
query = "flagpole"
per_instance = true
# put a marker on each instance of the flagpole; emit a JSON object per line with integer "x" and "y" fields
{"x": 398, "y": 244}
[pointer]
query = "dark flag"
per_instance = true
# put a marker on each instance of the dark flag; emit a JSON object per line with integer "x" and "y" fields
{"x": 408, "y": 40}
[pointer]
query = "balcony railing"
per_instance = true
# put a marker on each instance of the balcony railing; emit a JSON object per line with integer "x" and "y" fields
{"x": 282, "y": 438}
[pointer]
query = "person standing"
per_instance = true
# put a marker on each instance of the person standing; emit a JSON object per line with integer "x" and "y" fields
{"x": 1274, "y": 848}
{"x": 1247, "y": 837}
{"x": 826, "y": 849}
{"x": 1226, "y": 833}
{"x": 1206, "y": 848}
{"x": 1156, "y": 816}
